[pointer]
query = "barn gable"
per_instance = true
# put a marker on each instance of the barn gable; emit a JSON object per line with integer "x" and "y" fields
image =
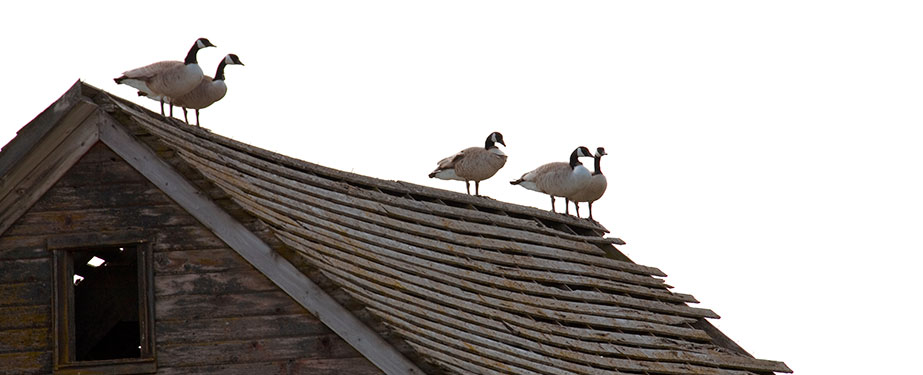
{"x": 215, "y": 313}
{"x": 415, "y": 279}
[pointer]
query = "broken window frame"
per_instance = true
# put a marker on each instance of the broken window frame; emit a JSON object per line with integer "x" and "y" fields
{"x": 65, "y": 362}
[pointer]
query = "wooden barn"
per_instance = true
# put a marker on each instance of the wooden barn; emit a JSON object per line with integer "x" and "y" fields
{"x": 133, "y": 244}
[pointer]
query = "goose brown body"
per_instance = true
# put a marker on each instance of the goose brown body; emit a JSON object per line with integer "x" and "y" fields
{"x": 558, "y": 179}
{"x": 473, "y": 163}
{"x": 208, "y": 91}
{"x": 167, "y": 79}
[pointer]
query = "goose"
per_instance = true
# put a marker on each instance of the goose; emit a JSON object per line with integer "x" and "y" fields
{"x": 558, "y": 179}
{"x": 473, "y": 163}
{"x": 595, "y": 189}
{"x": 167, "y": 79}
{"x": 209, "y": 90}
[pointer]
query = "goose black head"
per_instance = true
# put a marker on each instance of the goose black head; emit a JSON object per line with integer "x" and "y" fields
{"x": 199, "y": 44}
{"x": 203, "y": 42}
{"x": 600, "y": 151}
{"x": 232, "y": 59}
{"x": 494, "y": 137}
{"x": 579, "y": 152}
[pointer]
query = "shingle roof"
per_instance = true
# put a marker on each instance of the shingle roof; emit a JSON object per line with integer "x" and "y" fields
{"x": 472, "y": 285}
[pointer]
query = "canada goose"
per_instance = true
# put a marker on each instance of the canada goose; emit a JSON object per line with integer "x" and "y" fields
{"x": 558, "y": 179}
{"x": 595, "y": 189}
{"x": 473, "y": 163}
{"x": 167, "y": 79}
{"x": 209, "y": 90}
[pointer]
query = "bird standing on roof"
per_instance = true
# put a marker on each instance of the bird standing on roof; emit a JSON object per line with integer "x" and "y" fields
{"x": 165, "y": 80}
{"x": 209, "y": 90}
{"x": 473, "y": 163}
{"x": 595, "y": 189}
{"x": 558, "y": 179}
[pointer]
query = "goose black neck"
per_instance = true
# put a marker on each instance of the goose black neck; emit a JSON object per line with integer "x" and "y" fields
{"x": 219, "y": 74}
{"x": 574, "y": 162}
{"x": 596, "y": 164}
{"x": 191, "y": 56}
{"x": 488, "y": 143}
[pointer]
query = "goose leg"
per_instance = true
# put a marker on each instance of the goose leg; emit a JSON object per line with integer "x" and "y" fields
{"x": 591, "y": 210}
{"x": 577, "y": 208}
{"x": 552, "y": 203}
{"x": 171, "y": 109}
{"x": 161, "y": 107}
{"x": 467, "y": 187}
{"x": 476, "y": 188}
{"x": 197, "y": 118}
{"x": 566, "y": 206}
{"x": 185, "y": 117}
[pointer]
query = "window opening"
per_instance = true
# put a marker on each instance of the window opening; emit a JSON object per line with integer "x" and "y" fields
{"x": 106, "y": 318}
{"x": 103, "y": 303}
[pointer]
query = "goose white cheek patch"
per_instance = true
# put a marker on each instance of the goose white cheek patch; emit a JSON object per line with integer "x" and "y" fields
{"x": 228, "y": 60}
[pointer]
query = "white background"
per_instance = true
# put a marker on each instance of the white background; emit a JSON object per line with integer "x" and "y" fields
{"x": 766, "y": 155}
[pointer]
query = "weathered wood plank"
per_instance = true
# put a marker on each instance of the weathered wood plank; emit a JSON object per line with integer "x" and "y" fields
{"x": 25, "y": 317}
{"x": 257, "y": 368}
{"x": 257, "y": 252}
{"x": 313, "y": 215}
{"x": 358, "y": 207}
{"x": 320, "y": 366}
{"x": 184, "y": 238}
{"x": 25, "y": 270}
{"x": 22, "y": 247}
{"x": 203, "y": 306}
{"x": 100, "y": 153}
{"x": 315, "y": 195}
{"x": 508, "y": 259}
{"x": 334, "y": 366}
{"x": 257, "y": 350}
{"x": 387, "y": 279}
{"x": 239, "y": 328}
{"x": 560, "y": 347}
{"x": 197, "y": 261}
{"x": 474, "y": 362}
{"x": 242, "y": 280}
{"x": 106, "y": 195}
{"x": 501, "y": 321}
{"x": 25, "y": 339}
{"x": 25, "y": 294}
{"x": 425, "y": 340}
{"x": 511, "y": 289}
{"x": 42, "y": 127}
{"x": 523, "y": 353}
{"x": 91, "y": 174}
{"x": 26, "y": 363}
{"x": 21, "y": 190}
{"x": 100, "y": 219}
{"x": 59, "y": 136}
{"x": 505, "y": 275}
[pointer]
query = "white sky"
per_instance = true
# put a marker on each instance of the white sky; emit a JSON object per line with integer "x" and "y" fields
{"x": 766, "y": 155}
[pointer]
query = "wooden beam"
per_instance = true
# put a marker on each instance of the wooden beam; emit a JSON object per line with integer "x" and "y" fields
{"x": 35, "y": 131}
{"x": 255, "y": 251}
{"x": 38, "y": 170}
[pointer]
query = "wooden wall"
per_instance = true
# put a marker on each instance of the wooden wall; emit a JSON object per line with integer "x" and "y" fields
{"x": 215, "y": 314}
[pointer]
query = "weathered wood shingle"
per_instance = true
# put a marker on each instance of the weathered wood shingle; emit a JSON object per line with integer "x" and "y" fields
{"x": 470, "y": 284}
